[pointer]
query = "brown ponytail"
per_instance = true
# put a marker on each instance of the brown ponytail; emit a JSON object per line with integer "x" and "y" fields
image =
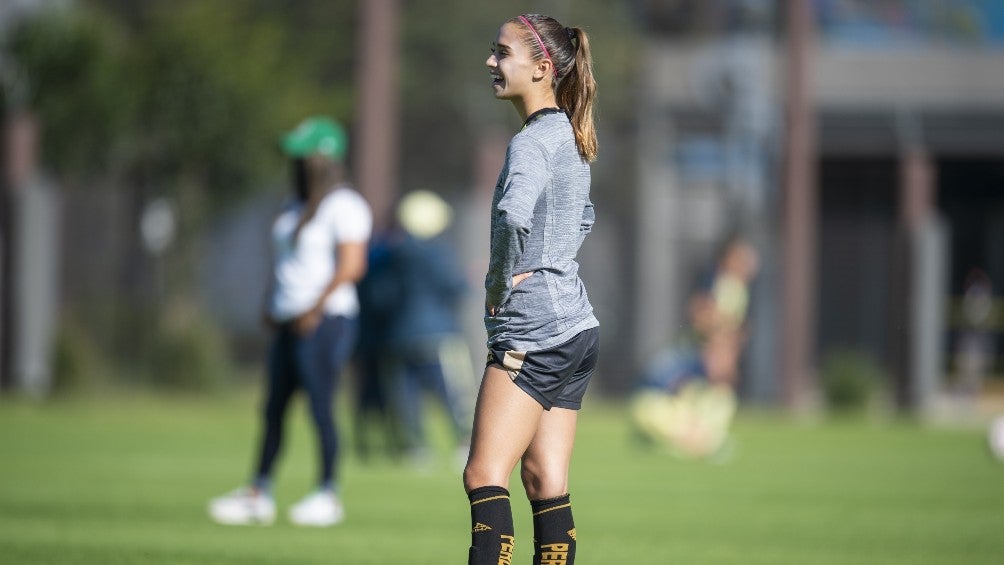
{"x": 574, "y": 85}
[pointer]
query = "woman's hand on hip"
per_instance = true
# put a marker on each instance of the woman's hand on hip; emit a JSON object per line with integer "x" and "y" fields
{"x": 516, "y": 279}
{"x": 306, "y": 323}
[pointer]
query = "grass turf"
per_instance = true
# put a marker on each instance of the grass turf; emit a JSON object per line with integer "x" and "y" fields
{"x": 126, "y": 480}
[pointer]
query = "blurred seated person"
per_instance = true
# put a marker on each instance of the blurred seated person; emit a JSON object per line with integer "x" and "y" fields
{"x": 686, "y": 398}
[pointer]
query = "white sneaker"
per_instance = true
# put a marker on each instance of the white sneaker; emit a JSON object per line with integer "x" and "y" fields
{"x": 243, "y": 507}
{"x": 320, "y": 508}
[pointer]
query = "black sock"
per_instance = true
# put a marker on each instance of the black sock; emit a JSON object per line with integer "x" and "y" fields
{"x": 553, "y": 531}
{"x": 492, "y": 532}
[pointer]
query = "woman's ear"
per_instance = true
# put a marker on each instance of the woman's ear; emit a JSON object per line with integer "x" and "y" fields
{"x": 544, "y": 68}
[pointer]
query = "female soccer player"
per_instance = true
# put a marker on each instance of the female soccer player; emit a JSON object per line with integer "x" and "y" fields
{"x": 543, "y": 339}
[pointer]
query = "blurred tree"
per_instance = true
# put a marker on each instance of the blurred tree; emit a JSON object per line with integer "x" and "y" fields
{"x": 180, "y": 100}
{"x": 218, "y": 85}
{"x": 189, "y": 91}
{"x": 70, "y": 70}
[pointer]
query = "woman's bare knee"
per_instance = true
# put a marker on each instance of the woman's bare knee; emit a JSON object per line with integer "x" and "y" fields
{"x": 477, "y": 475}
{"x": 541, "y": 483}
{"x": 531, "y": 481}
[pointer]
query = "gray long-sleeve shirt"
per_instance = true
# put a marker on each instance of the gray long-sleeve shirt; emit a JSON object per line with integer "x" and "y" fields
{"x": 541, "y": 213}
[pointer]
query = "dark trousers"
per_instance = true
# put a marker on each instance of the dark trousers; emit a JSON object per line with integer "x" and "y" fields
{"x": 313, "y": 363}
{"x": 426, "y": 366}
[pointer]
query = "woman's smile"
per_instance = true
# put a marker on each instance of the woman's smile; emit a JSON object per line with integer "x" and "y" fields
{"x": 497, "y": 79}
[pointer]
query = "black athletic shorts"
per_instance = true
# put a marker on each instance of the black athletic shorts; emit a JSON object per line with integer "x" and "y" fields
{"x": 557, "y": 376}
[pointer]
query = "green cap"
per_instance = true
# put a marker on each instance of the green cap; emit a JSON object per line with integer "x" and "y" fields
{"x": 315, "y": 135}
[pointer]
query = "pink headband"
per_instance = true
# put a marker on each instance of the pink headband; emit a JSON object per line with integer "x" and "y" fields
{"x": 541, "y": 42}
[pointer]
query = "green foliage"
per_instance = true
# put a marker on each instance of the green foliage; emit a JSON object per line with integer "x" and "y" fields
{"x": 216, "y": 91}
{"x": 176, "y": 348}
{"x": 79, "y": 362}
{"x": 192, "y": 356}
{"x": 850, "y": 380}
{"x": 191, "y": 93}
{"x": 70, "y": 68}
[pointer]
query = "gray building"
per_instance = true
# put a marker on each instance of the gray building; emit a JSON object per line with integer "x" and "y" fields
{"x": 907, "y": 108}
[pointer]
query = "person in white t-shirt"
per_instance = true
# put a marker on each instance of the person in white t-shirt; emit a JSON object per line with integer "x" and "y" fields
{"x": 319, "y": 243}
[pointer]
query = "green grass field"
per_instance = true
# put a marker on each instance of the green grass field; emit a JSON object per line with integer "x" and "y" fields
{"x": 126, "y": 480}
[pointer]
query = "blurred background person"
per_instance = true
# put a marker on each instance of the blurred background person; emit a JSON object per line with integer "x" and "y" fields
{"x": 974, "y": 349}
{"x": 427, "y": 355}
{"x": 375, "y": 420}
{"x": 319, "y": 252}
{"x": 688, "y": 390}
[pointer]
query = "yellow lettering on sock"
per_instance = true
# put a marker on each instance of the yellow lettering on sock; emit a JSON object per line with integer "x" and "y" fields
{"x": 554, "y": 554}
{"x": 506, "y": 548}
{"x": 556, "y": 546}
